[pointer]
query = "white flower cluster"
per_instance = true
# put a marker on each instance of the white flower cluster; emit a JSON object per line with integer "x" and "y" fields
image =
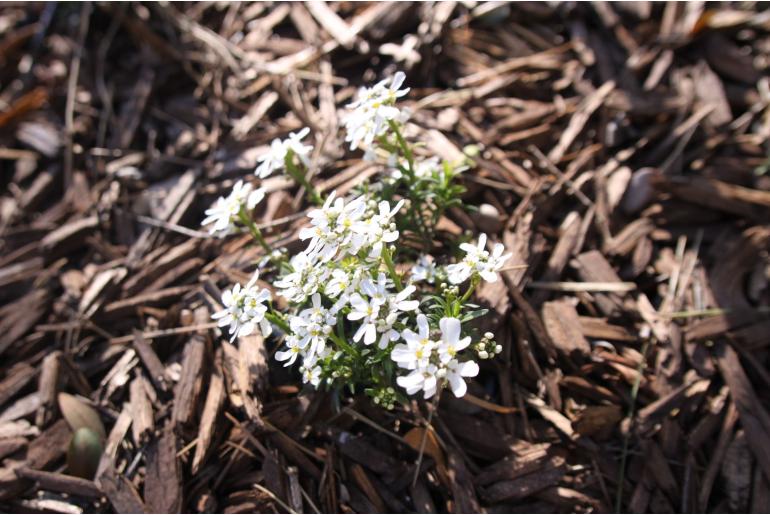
{"x": 225, "y": 214}
{"x": 432, "y": 362}
{"x": 372, "y": 110}
{"x": 275, "y": 158}
{"x": 346, "y": 240}
{"x": 244, "y": 309}
{"x": 479, "y": 261}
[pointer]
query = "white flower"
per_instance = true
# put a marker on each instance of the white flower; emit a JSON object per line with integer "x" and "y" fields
{"x": 450, "y": 339}
{"x": 378, "y": 291}
{"x": 244, "y": 310}
{"x": 478, "y": 260}
{"x": 304, "y": 280}
{"x": 380, "y": 312}
{"x": 293, "y": 350}
{"x": 418, "y": 349}
{"x": 275, "y": 159}
{"x": 373, "y": 109}
{"x": 226, "y": 211}
{"x": 338, "y": 283}
{"x": 313, "y": 326}
{"x": 456, "y": 371}
{"x": 366, "y": 311}
{"x": 423, "y": 168}
{"x": 312, "y": 375}
{"x": 494, "y": 263}
{"x": 331, "y": 226}
{"x": 420, "y": 379}
{"x": 424, "y": 269}
{"x": 378, "y": 229}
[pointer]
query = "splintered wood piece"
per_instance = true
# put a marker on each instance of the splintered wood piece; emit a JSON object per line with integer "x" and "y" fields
{"x": 10, "y": 445}
{"x": 522, "y": 487}
{"x": 750, "y": 203}
{"x": 214, "y": 399}
{"x": 48, "y": 387}
{"x": 534, "y": 321}
{"x": 592, "y": 266}
{"x": 754, "y": 418}
{"x": 121, "y": 492}
{"x": 175, "y": 193}
{"x": 578, "y": 121}
{"x": 255, "y": 113}
{"x": 717, "y": 454}
{"x": 464, "y": 499}
{"x": 163, "y": 483}
{"x": 512, "y": 467}
{"x": 333, "y": 24}
{"x": 49, "y": 446}
{"x": 600, "y": 329}
{"x": 141, "y": 411}
{"x": 19, "y": 376}
{"x": 562, "y": 322}
{"x": 154, "y": 298}
{"x": 101, "y": 290}
{"x": 61, "y": 483}
{"x": 710, "y": 91}
{"x": 357, "y": 449}
{"x": 25, "y": 314}
{"x": 560, "y": 255}
{"x": 365, "y": 484}
{"x": 69, "y": 236}
{"x": 43, "y": 452}
{"x": 188, "y": 389}
{"x": 295, "y": 489}
{"x": 655, "y": 412}
{"x": 159, "y": 265}
{"x": 114, "y": 439}
{"x": 290, "y": 449}
{"x": 659, "y": 469}
{"x": 253, "y": 364}
{"x": 589, "y": 389}
{"x": 736, "y": 470}
{"x": 421, "y": 499}
{"x": 151, "y": 361}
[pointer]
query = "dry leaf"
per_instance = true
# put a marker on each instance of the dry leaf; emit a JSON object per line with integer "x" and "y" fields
{"x": 79, "y": 414}
{"x": 432, "y": 448}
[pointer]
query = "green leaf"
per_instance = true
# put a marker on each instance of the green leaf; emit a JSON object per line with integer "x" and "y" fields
{"x": 467, "y": 317}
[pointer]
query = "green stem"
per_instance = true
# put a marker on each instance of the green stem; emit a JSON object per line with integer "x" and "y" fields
{"x": 391, "y": 268}
{"x": 279, "y": 321}
{"x": 404, "y": 148}
{"x": 417, "y": 218}
{"x": 298, "y": 175}
{"x": 471, "y": 288}
{"x": 340, "y": 340}
{"x": 254, "y": 230}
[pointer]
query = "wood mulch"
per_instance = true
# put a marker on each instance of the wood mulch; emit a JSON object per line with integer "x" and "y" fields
{"x": 623, "y": 158}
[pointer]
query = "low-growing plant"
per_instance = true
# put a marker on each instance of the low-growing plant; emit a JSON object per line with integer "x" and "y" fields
{"x": 353, "y": 320}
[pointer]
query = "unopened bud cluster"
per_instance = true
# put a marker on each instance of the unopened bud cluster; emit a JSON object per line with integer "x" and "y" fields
{"x": 487, "y": 347}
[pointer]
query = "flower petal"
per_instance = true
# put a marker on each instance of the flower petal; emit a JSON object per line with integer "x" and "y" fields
{"x": 450, "y": 330}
